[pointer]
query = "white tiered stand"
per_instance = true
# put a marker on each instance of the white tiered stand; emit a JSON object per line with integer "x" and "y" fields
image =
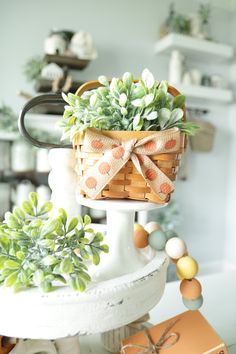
{"x": 126, "y": 284}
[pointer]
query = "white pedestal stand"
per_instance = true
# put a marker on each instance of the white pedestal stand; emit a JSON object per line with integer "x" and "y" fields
{"x": 127, "y": 285}
{"x": 123, "y": 257}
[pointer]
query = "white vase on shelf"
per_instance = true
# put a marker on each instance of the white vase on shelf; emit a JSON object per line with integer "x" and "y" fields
{"x": 22, "y": 156}
{"x": 176, "y": 67}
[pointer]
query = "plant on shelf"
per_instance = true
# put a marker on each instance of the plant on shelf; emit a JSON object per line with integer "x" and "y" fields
{"x": 204, "y": 13}
{"x": 176, "y": 22}
{"x": 33, "y": 68}
{"x": 8, "y": 119}
{"x": 122, "y": 104}
{"x": 39, "y": 250}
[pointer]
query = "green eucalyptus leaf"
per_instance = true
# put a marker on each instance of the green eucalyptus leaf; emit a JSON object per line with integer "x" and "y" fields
{"x": 179, "y": 101}
{"x": 33, "y": 197}
{"x": 72, "y": 225}
{"x": 45, "y": 208}
{"x": 127, "y": 79}
{"x": 148, "y": 78}
{"x": 66, "y": 266}
{"x": 105, "y": 248}
{"x": 80, "y": 284}
{"x": 18, "y": 213}
{"x": 12, "y": 221}
{"x": 163, "y": 86}
{"x": 38, "y": 277}
{"x": 176, "y": 115}
{"x": 49, "y": 260}
{"x": 10, "y": 264}
{"x": 63, "y": 215}
{"x": 28, "y": 208}
{"x": 164, "y": 117}
{"x": 46, "y": 286}
{"x": 11, "y": 279}
{"x": 87, "y": 220}
{"x": 49, "y": 227}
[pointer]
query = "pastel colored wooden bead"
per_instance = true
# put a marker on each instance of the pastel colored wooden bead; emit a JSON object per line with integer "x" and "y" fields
{"x": 152, "y": 226}
{"x": 193, "y": 304}
{"x": 157, "y": 240}
{"x": 170, "y": 234}
{"x": 175, "y": 247}
{"x": 138, "y": 227}
{"x": 187, "y": 267}
{"x": 190, "y": 289}
{"x": 141, "y": 238}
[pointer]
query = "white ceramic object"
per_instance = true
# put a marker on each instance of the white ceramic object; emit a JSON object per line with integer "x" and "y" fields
{"x": 123, "y": 257}
{"x": 196, "y": 26}
{"x": 5, "y": 198}
{"x": 55, "y": 44}
{"x": 64, "y": 312}
{"x": 42, "y": 162}
{"x": 176, "y": 67}
{"x": 68, "y": 345}
{"x": 52, "y": 71}
{"x": 43, "y": 192}
{"x": 196, "y": 76}
{"x": 82, "y": 46}
{"x": 22, "y": 156}
{"x": 4, "y": 155}
{"x": 63, "y": 181}
{"x": 34, "y": 347}
{"x": 21, "y": 193}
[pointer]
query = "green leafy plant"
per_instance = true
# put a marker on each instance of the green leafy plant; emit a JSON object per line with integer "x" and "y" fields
{"x": 204, "y": 13}
{"x": 121, "y": 104}
{"x": 8, "y": 119}
{"x": 38, "y": 250}
{"x": 33, "y": 68}
{"x": 177, "y": 22}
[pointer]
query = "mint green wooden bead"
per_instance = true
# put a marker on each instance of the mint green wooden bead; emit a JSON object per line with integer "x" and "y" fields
{"x": 157, "y": 240}
{"x": 193, "y": 304}
{"x": 170, "y": 234}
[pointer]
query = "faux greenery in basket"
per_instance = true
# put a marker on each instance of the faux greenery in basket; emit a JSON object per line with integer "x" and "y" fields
{"x": 121, "y": 104}
{"x": 38, "y": 250}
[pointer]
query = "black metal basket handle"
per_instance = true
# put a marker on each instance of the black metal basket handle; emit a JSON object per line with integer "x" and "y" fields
{"x": 46, "y": 98}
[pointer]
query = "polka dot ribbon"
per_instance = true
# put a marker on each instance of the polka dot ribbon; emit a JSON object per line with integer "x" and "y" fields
{"x": 116, "y": 154}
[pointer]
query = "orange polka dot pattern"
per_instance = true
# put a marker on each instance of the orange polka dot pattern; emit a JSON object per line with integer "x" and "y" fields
{"x": 116, "y": 154}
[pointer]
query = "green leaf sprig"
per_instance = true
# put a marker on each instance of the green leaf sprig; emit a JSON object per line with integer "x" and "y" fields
{"x": 121, "y": 104}
{"x": 38, "y": 250}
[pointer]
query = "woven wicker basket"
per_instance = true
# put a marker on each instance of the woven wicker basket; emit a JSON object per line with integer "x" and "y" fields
{"x": 128, "y": 183}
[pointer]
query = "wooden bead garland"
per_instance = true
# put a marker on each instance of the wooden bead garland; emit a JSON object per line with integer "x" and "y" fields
{"x": 186, "y": 266}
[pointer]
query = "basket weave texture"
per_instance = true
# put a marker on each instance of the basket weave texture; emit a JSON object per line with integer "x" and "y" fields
{"x": 128, "y": 183}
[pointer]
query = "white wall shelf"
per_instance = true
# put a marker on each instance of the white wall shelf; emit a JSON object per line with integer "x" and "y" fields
{"x": 206, "y": 94}
{"x": 8, "y": 136}
{"x": 197, "y": 48}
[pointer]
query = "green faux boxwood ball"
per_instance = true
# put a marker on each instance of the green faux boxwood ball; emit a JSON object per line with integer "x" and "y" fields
{"x": 157, "y": 240}
{"x": 193, "y": 305}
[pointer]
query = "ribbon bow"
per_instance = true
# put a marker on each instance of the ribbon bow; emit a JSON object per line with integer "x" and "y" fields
{"x": 152, "y": 347}
{"x": 116, "y": 154}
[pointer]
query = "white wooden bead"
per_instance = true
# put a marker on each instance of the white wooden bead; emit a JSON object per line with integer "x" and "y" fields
{"x": 152, "y": 226}
{"x": 175, "y": 248}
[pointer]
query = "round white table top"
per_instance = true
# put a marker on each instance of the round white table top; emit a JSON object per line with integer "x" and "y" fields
{"x": 103, "y": 306}
{"x": 118, "y": 205}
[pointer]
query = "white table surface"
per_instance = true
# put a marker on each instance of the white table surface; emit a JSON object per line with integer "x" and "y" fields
{"x": 219, "y": 291}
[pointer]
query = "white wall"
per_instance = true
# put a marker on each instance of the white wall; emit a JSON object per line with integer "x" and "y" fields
{"x": 124, "y": 32}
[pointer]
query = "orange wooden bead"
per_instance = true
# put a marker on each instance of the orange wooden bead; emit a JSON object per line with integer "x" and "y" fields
{"x": 141, "y": 238}
{"x": 190, "y": 289}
